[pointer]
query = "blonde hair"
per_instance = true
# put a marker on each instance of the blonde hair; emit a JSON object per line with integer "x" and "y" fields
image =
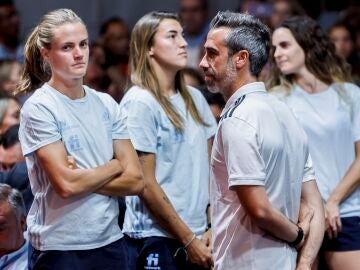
{"x": 36, "y": 71}
{"x": 143, "y": 73}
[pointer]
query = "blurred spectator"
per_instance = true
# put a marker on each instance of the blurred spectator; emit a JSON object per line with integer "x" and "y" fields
{"x": 259, "y": 8}
{"x": 10, "y": 149}
{"x": 193, "y": 77}
{"x": 13, "y": 169}
{"x": 97, "y": 53}
{"x": 282, "y": 9}
{"x": 352, "y": 19}
{"x": 13, "y": 245}
{"x": 118, "y": 83}
{"x": 95, "y": 76}
{"x": 344, "y": 40}
{"x": 115, "y": 40}
{"x": 10, "y": 47}
{"x": 216, "y": 102}
{"x": 194, "y": 16}
{"x": 9, "y": 113}
{"x": 9, "y": 76}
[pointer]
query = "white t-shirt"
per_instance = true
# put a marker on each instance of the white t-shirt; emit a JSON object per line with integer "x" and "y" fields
{"x": 258, "y": 142}
{"x": 332, "y": 125}
{"x": 87, "y": 127}
{"x": 182, "y": 164}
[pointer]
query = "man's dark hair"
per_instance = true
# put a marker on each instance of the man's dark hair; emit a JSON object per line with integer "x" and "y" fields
{"x": 246, "y": 33}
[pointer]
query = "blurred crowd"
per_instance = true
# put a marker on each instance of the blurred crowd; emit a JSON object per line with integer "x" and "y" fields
{"x": 108, "y": 68}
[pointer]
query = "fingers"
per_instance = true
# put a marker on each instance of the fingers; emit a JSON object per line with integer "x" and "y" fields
{"x": 334, "y": 227}
{"x": 338, "y": 223}
{"x": 329, "y": 232}
{"x": 199, "y": 253}
{"x": 71, "y": 162}
{"x": 305, "y": 223}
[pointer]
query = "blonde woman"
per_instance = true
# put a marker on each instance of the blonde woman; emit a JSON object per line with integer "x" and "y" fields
{"x": 72, "y": 222}
{"x": 171, "y": 126}
{"x": 314, "y": 82}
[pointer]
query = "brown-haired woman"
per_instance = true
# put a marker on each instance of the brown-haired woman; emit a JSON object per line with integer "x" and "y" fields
{"x": 314, "y": 82}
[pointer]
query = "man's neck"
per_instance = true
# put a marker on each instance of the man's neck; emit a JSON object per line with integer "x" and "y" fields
{"x": 237, "y": 85}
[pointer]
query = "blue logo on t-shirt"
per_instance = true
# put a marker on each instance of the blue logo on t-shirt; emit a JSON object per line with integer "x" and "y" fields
{"x": 73, "y": 143}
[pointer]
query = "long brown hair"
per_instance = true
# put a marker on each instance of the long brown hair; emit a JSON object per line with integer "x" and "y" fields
{"x": 36, "y": 71}
{"x": 143, "y": 74}
{"x": 320, "y": 57}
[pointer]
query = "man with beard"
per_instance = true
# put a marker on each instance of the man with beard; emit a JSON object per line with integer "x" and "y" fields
{"x": 266, "y": 207}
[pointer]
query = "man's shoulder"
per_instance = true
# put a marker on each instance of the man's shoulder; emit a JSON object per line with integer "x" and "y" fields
{"x": 233, "y": 110}
{"x": 248, "y": 106}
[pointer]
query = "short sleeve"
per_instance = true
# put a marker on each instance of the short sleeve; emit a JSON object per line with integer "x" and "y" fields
{"x": 119, "y": 128}
{"x": 38, "y": 127}
{"x": 245, "y": 165}
{"x": 141, "y": 124}
{"x": 309, "y": 173}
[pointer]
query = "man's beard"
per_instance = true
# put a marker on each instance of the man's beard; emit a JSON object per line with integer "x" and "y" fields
{"x": 222, "y": 81}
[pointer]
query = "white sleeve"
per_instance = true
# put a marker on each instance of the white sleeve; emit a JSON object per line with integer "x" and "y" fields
{"x": 309, "y": 173}
{"x": 119, "y": 129}
{"x": 245, "y": 166}
{"x": 141, "y": 124}
{"x": 38, "y": 127}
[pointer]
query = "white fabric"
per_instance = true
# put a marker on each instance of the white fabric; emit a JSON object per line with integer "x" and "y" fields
{"x": 182, "y": 165}
{"x": 332, "y": 124}
{"x": 258, "y": 142}
{"x": 87, "y": 127}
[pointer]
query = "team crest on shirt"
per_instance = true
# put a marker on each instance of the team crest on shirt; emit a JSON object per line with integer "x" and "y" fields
{"x": 152, "y": 262}
{"x": 73, "y": 143}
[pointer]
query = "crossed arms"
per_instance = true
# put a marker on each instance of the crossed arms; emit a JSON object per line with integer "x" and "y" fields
{"x": 118, "y": 177}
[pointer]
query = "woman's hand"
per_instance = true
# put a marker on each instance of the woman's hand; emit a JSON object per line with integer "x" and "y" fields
{"x": 332, "y": 219}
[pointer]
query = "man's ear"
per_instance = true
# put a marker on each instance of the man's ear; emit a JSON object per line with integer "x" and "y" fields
{"x": 23, "y": 223}
{"x": 241, "y": 58}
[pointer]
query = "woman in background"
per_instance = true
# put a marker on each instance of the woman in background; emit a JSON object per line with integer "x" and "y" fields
{"x": 315, "y": 83}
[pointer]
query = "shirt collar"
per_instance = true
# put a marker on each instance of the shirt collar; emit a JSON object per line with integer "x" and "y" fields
{"x": 244, "y": 90}
{"x": 13, "y": 256}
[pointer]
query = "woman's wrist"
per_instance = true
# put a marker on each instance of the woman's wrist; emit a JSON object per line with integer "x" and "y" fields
{"x": 333, "y": 199}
